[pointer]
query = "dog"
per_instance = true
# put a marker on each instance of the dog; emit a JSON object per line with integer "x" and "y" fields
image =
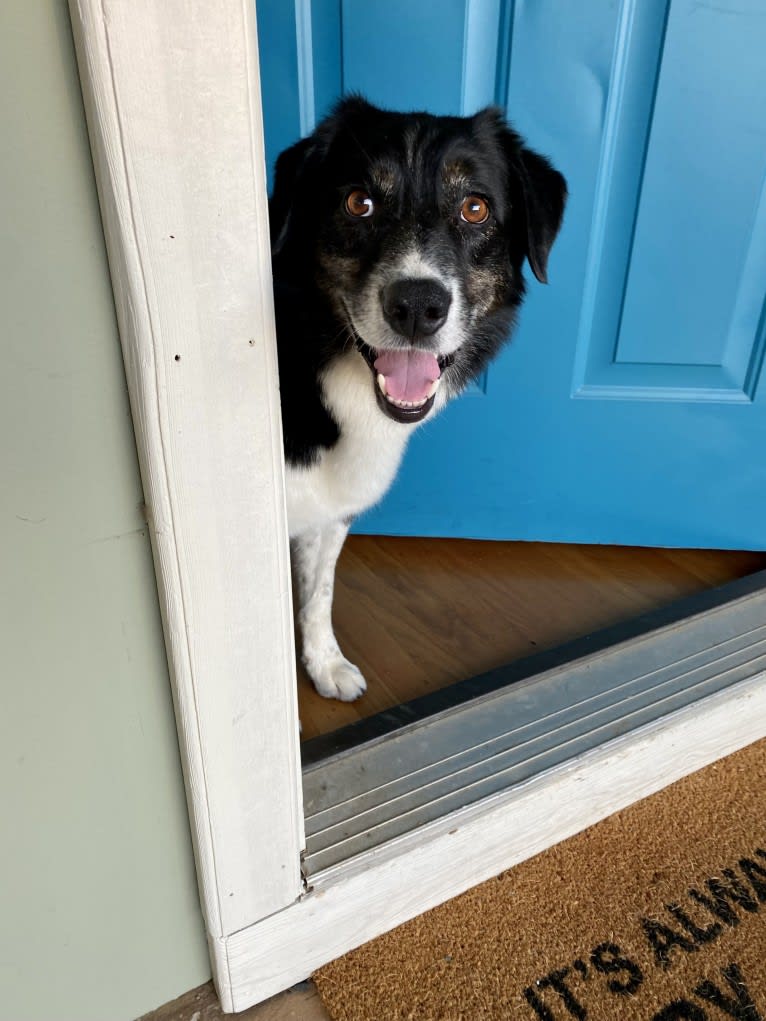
{"x": 398, "y": 241}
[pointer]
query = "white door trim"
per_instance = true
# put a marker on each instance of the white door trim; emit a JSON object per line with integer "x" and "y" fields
{"x": 172, "y": 98}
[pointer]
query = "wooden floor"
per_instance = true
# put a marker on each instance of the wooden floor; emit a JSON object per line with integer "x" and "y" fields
{"x": 300, "y": 1003}
{"x": 418, "y": 614}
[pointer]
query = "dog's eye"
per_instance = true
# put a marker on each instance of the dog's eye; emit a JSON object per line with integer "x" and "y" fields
{"x": 474, "y": 209}
{"x": 359, "y": 203}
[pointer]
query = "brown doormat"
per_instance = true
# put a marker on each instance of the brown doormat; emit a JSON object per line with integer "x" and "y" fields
{"x": 658, "y": 913}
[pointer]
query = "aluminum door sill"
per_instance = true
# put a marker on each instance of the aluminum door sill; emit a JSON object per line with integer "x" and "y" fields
{"x": 382, "y": 778}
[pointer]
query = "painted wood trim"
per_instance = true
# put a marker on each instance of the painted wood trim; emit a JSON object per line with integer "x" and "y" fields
{"x": 172, "y": 98}
{"x": 358, "y": 900}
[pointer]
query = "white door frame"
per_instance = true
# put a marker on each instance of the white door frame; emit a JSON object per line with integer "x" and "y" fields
{"x": 173, "y": 106}
{"x": 172, "y": 97}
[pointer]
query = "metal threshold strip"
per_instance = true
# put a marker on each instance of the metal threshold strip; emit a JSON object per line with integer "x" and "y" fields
{"x": 383, "y": 777}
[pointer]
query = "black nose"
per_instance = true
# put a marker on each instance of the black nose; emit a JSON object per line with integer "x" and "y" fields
{"x": 415, "y": 307}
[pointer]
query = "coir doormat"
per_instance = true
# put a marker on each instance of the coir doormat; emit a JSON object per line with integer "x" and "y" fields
{"x": 657, "y": 913}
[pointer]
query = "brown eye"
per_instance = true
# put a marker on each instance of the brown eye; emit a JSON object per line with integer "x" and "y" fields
{"x": 474, "y": 209}
{"x": 359, "y": 203}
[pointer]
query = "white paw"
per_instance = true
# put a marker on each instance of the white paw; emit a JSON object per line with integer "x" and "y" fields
{"x": 338, "y": 679}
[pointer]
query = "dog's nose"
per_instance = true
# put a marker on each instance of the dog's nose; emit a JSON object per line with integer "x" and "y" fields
{"x": 416, "y": 307}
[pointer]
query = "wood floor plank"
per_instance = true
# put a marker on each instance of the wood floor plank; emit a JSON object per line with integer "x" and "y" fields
{"x": 419, "y": 614}
{"x": 301, "y": 1003}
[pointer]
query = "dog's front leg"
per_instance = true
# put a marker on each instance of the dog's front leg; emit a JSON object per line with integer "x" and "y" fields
{"x": 315, "y": 554}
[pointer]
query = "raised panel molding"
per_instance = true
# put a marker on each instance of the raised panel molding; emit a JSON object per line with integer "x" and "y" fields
{"x": 320, "y": 66}
{"x": 608, "y": 359}
{"x": 486, "y": 37}
{"x": 304, "y": 47}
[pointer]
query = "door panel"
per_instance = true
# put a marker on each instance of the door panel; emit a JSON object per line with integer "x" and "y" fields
{"x": 706, "y": 157}
{"x": 397, "y": 57}
{"x": 628, "y": 407}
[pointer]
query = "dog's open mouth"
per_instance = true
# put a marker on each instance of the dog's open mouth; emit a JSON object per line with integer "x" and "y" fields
{"x": 405, "y": 381}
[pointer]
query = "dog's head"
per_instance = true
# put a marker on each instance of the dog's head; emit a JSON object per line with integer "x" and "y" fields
{"x": 415, "y": 228}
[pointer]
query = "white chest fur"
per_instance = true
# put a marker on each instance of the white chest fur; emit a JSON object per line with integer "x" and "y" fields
{"x": 358, "y": 470}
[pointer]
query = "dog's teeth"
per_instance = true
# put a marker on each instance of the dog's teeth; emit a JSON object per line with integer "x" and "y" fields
{"x": 406, "y": 404}
{"x": 382, "y": 384}
{"x": 433, "y": 388}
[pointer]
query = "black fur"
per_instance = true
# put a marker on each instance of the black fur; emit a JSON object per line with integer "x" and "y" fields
{"x": 418, "y": 168}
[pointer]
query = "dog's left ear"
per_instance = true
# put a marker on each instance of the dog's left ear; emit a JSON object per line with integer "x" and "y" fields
{"x": 545, "y": 195}
{"x": 543, "y": 188}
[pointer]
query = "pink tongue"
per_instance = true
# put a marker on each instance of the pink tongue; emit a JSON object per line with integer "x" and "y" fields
{"x": 409, "y": 374}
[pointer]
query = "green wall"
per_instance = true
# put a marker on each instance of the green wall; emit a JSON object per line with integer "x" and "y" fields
{"x": 99, "y": 914}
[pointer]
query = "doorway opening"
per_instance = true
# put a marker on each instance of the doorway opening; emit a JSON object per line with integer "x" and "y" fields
{"x": 563, "y": 648}
{"x": 417, "y": 615}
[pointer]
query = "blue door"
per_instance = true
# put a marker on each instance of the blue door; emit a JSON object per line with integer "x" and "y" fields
{"x": 630, "y": 406}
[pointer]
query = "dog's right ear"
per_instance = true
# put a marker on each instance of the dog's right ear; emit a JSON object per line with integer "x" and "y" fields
{"x": 296, "y": 170}
{"x": 288, "y": 171}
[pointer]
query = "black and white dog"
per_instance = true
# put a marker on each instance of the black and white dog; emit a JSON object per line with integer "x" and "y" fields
{"x": 397, "y": 247}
